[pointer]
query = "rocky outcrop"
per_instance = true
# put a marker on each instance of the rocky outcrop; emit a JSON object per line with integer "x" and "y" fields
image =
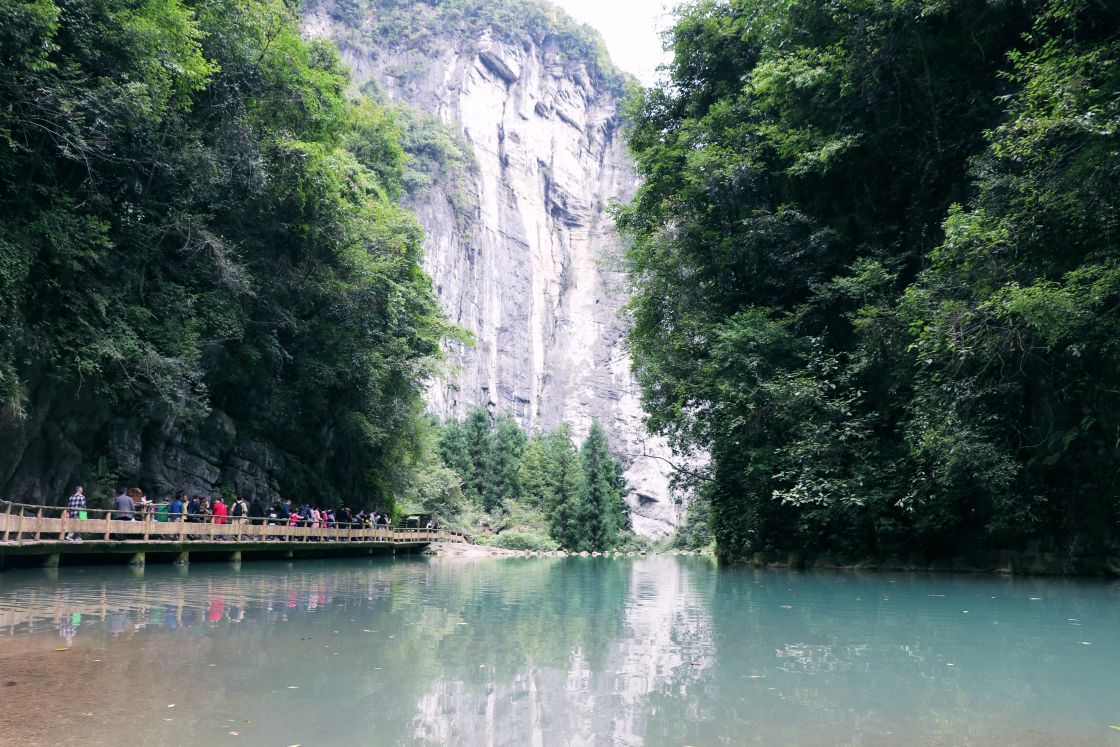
{"x": 533, "y": 273}
{"x": 43, "y": 458}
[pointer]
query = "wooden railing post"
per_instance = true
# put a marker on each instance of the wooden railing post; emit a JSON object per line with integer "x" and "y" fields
{"x": 38, "y": 522}
{"x": 7, "y": 521}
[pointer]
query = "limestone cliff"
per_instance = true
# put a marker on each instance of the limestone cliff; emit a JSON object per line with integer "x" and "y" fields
{"x": 531, "y": 269}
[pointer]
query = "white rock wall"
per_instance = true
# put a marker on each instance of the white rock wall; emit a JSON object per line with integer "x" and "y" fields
{"x": 536, "y": 276}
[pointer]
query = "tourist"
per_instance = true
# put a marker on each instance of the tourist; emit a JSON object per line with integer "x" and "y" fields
{"x": 140, "y": 503}
{"x": 220, "y": 511}
{"x": 123, "y": 505}
{"x": 194, "y": 509}
{"x": 239, "y": 511}
{"x": 175, "y": 509}
{"x": 76, "y": 505}
{"x": 256, "y": 511}
{"x": 162, "y": 509}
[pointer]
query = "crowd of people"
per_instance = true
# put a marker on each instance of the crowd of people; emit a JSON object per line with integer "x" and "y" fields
{"x": 132, "y": 504}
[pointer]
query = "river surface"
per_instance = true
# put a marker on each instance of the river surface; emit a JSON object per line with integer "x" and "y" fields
{"x": 551, "y": 651}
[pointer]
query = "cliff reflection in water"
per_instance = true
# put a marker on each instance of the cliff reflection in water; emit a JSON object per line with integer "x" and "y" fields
{"x": 576, "y": 651}
{"x": 586, "y": 645}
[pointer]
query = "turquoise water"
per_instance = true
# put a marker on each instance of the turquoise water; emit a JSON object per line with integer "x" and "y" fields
{"x": 551, "y": 651}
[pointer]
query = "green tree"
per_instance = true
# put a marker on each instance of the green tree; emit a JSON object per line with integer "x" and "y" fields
{"x": 874, "y": 275}
{"x": 199, "y": 242}
{"x": 454, "y": 450}
{"x": 535, "y": 474}
{"x": 569, "y": 512}
{"x": 504, "y": 477}
{"x": 607, "y": 513}
{"x": 479, "y": 440}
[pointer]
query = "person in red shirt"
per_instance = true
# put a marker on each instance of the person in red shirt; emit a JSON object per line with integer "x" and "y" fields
{"x": 220, "y": 511}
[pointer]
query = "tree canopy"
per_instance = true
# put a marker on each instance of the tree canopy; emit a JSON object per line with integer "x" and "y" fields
{"x": 876, "y": 272}
{"x": 194, "y": 217}
{"x": 544, "y": 485}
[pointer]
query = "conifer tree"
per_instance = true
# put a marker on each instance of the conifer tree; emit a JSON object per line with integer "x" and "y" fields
{"x": 568, "y": 516}
{"x": 503, "y": 483}
{"x": 453, "y": 449}
{"x": 603, "y": 491}
{"x": 479, "y": 442}
{"x": 535, "y": 474}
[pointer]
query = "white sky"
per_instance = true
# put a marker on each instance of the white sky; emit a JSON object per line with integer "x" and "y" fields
{"x": 631, "y": 28}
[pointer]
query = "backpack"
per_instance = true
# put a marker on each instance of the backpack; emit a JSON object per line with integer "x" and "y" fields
{"x": 239, "y": 508}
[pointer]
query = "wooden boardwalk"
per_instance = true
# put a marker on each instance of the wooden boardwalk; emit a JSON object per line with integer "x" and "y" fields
{"x": 35, "y": 535}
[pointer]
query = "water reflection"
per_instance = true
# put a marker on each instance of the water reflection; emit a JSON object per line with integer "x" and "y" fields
{"x": 597, "y": 639}
{"x": 122, "y": 606}
{"x": 573, "y": 651}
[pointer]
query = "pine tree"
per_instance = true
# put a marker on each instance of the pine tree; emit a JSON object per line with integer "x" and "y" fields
{"x": 603, "y": 490}
{"x": 535, "y": 474}
{"x": 453, "y": 449}
{"x": 568, "y": 516}
{"x": 479, "y": 442}
{"x": 503, "y": 483}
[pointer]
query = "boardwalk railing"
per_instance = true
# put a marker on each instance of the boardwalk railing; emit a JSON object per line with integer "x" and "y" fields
{"x": 20, "y": 522}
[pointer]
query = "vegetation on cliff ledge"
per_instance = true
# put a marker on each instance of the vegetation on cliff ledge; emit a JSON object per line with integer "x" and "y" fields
{"x": 425, "y": 26}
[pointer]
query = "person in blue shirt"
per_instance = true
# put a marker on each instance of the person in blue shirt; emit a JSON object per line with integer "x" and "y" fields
{"x": 175, "y": 509}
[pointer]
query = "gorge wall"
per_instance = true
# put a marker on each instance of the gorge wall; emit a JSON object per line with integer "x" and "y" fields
{"x": 527, "y": 258}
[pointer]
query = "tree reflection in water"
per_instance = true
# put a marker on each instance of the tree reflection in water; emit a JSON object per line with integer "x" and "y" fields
{"x": 543, "y": 650}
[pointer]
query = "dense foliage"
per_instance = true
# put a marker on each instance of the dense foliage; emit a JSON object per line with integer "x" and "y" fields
{"x": 876, "y": 264}
{"x": 194, "y": 217}
{"x": 537, "y": 493}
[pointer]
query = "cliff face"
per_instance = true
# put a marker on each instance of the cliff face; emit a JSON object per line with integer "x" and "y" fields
{"x": 532, "y": 270}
